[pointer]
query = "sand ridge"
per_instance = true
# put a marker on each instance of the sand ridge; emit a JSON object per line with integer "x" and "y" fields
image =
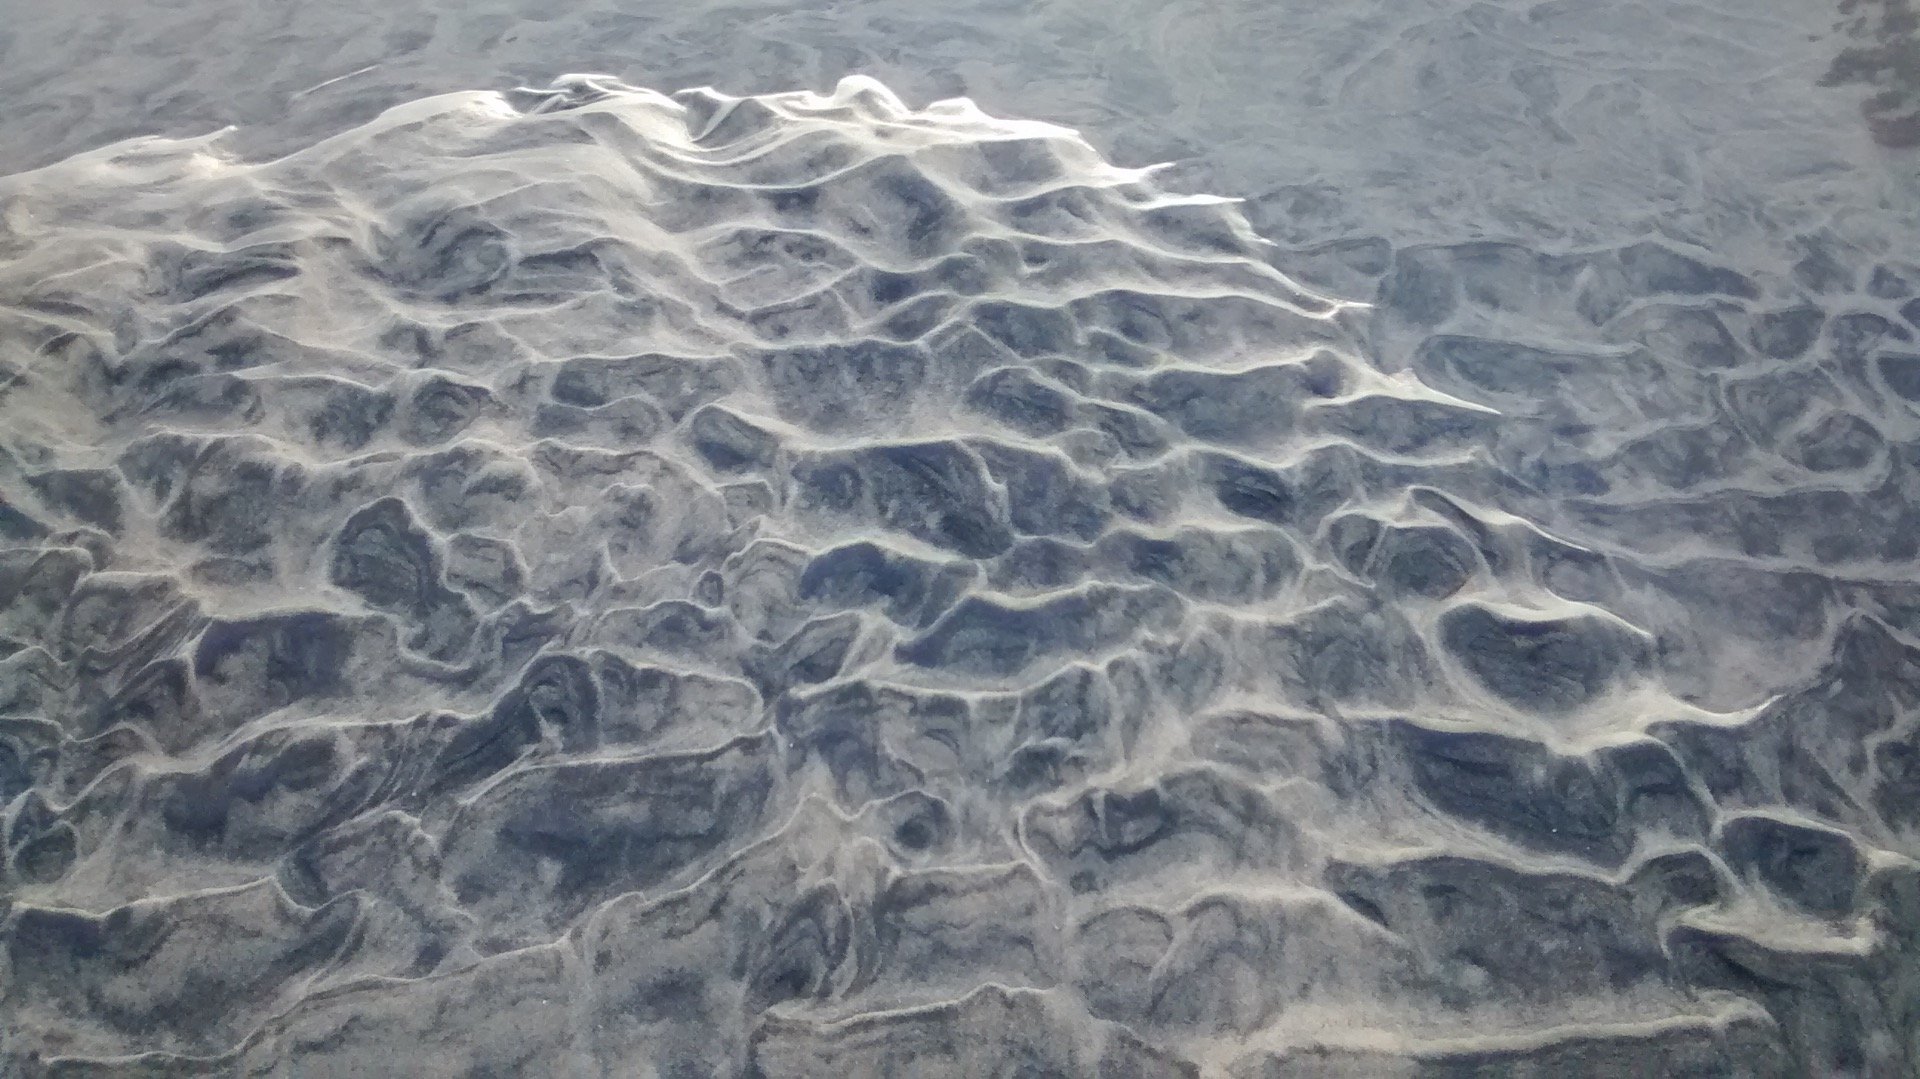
{"x": 589, "y": 581}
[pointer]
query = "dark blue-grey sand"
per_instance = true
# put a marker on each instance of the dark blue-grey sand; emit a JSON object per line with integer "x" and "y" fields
{"x": 586, "y": 581}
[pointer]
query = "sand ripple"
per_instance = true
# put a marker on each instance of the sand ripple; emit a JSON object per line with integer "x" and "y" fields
{"x": 584, "y": 581}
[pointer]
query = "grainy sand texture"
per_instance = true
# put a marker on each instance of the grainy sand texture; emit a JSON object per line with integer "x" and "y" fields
{"x": 1239, "y": 540}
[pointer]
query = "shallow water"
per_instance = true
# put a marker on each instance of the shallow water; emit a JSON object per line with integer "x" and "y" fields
{"x": 850, "y": 571}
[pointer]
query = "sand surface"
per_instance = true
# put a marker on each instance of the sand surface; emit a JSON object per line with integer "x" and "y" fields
{"x": 1231, "y": 539}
